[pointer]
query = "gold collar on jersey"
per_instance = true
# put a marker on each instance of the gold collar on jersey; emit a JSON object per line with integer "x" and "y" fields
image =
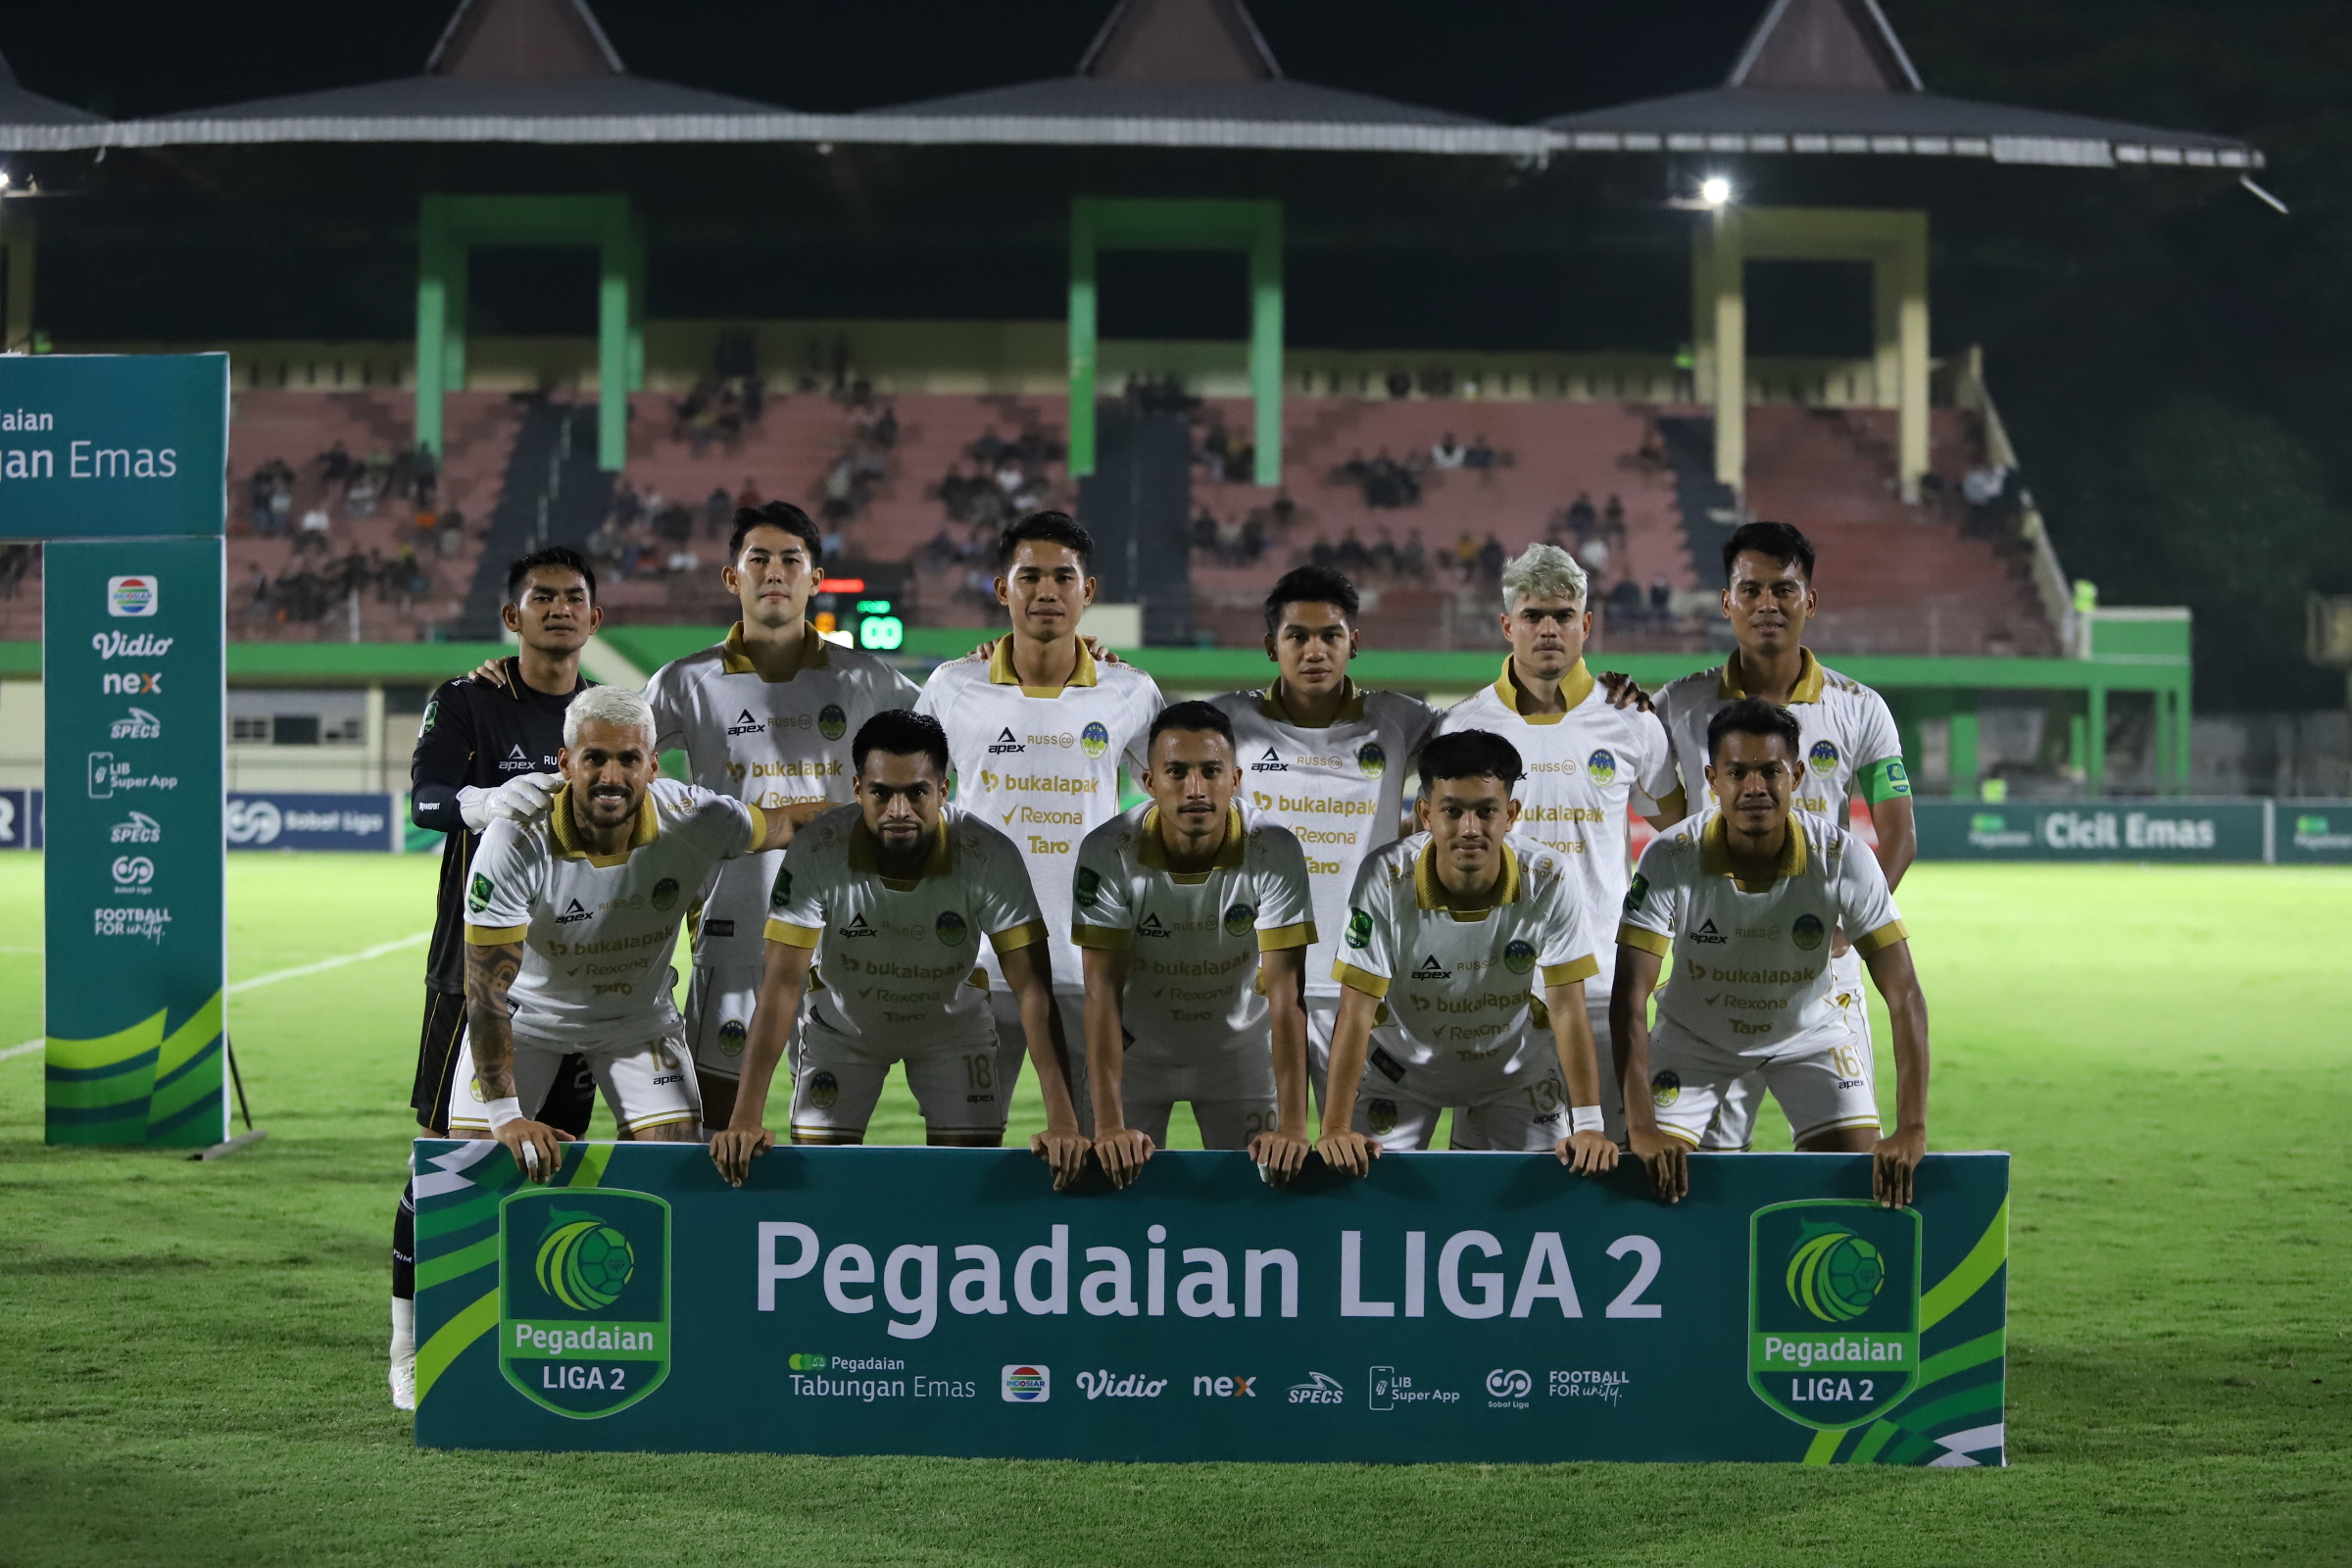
{"x": 864, "y": 856}
{"x": 1575, "y": 686}
{"x": 1715, "y": 853}
{"x": 1352, "y": 707}
{"x": 812, "y": 654}
{"x": 647, "y": 828}
{"x": 1430, "y": 896}
{"x": 1153, "y": 849}
{"x": 1810, "y": 679}
{"x": 1000, "y": 673}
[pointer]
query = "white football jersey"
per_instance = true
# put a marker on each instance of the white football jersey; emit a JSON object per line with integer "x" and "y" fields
{"x": 1751, "y": 965}
{"x": 1340, "y": 790}
{"x": 1586, "y": 769}
{"x": 899, "y": 959}
{"x": 1041, "y": 764}
{"x": 770, "y": 744}
{"x": 1193, "y": 939}
{"x": 598, "y": 931}
{"x": 1462, "y": 988}
{"x": 1849, "y": 737}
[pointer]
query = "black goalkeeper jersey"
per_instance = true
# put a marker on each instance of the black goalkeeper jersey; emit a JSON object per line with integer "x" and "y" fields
{"x": 482, "y": 735}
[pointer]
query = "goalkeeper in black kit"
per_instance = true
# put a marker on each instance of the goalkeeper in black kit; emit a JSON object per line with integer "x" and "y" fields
{"x": 485, "y": 750}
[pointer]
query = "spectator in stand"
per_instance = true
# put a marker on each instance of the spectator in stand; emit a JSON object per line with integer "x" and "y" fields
{"x": 16, "y": 561}
{"x": 1447, "y": 453}
{"x": 1582, "y": 518}
{"x": 1652, "y": 456}
{"x": 1661, "y": 599}
{"x": 1413, "y": 560}
{"x": 626, "y": 508}
{"x": 451, "y": 525}
{"x": 1253, "y": 535}
{"x": 1384, "y": 553}
{"x": 1625, "y": 601}
{"x": 718, "y": 510}
{"x": 1479, "y": 456}
{"x": 281, "y": 508}
{"x": 1595, "y": 557}
{"x": 257, "y": 596}
{"x": 1612, "y": 519}
{"x": 1491, "y": 558}
{"x": 988, "y": 448}
{"x": 1465, "y": 555}
{"x": 1353, "y": 557}
{"x": 749, "y": 495}
{"x": 314, "y": 532}
{"x": 1205, "y": 531}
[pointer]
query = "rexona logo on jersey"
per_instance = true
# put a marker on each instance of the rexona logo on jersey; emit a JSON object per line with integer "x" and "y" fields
{"x": 583, "y": 1298}
{"x": 1833, "y": 1309}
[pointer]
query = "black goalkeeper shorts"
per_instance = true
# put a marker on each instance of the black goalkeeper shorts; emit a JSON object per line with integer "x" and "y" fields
{"x": 570, "y": 1102}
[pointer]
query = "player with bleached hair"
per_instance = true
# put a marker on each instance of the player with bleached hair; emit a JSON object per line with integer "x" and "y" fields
{"x": 570, "y": 921}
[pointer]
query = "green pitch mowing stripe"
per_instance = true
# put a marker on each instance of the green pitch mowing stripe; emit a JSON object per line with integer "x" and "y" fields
{"x": 192, "y": 1366}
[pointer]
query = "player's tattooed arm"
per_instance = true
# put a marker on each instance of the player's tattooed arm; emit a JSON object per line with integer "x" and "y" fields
{"x": 490, "y": 972}
{"x": 1343, "y": 1148}
{"x": 1120, "y": 1148}
{"x": 1588, "y": 1153}
{"x": 1629, "y": 1028}
{"x": 1900, "y": 1153}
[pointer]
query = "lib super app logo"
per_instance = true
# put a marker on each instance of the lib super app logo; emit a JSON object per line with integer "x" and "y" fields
{"x": 583, "y": 1297}
{"x": 1833, "y": 1309}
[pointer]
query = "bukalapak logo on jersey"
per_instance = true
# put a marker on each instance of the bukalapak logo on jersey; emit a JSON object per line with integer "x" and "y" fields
{"x": 745, "y": 724}
{"x": 1005, "y": 743}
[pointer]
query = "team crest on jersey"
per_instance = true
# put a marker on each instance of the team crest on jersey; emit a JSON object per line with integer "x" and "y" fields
{"x": 823, "y": 1089}
{"x": 783, "y": 890}
{"x": 1094, "y": 740}
{"x": 1359, "y": 929}
{"x": 1807, "y": 932}
{"x": 1381, "y": 1117}
{"x": 1824, "y": 756}
{"x": 477, "y": 893}
{"x": 666, "y": 893}
{"x": 1603, "y": 765}
{"x": 575, "y": 911}
{"x": 1089, "y": 883}
{"x": 730, "y": 1036}
{"x": 1239, "y": 919}
{"x": 1519, "y": 957}
{"x": 1370, "y": 760}
{"x": 953, "y": 929}
{"x": 745, "y": 724}
{"x": 831, "y": 722}
{"x": 1665, "y": 1087}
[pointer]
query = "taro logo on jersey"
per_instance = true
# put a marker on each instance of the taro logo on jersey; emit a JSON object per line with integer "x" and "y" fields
{"x": 823, "y": 1089}
{"x": 730, "y": 1038}
{"x": 1806, "y": 933}
{"x": 1665, "y": 1087}
{"x": 478, "y": 893}
{"x": 1603, "y": 765}
{"x": 1239, "y": 919}
{"x": 953, "y": 929}
{"x": 666, "y": 893}
{"x": 1370, "y": 760}
{"x": 1519, "y": 957}
{"x": 1824, "y": 756}
{"x": 583, "y": 1298}
{"x": 1833, "y": 1309}
{"x": 1089, "y": 883}
{"x": 1359, "y": 929}
{"x": 1094, "y": 740}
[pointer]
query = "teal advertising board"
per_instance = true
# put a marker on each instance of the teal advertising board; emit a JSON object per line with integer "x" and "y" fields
{"x": 119, "y": 463}
{"x": 2094, "y": 830}
{"x": 2312, "y": 832}
{"x": 1474, "y": 1307}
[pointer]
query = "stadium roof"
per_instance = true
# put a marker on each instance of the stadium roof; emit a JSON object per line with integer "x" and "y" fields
{"x": 21, "y": 107}
{"x": 1831, "y": 76}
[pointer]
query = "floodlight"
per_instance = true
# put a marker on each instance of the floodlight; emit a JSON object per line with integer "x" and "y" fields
{"x": 1715, "y": 190}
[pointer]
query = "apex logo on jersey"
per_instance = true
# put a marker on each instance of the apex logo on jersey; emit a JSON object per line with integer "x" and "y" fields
{"x": 1094, "y": 740}
{"x": 831, "y": 722}
{"x": 572, "y": 911}
{"x": 1519, "y": 957}
{"x": 583, "y": 1298}
{"x": 1370, "y": 760}
{"x": 1271, "y": 762}
{"x": 858, "y": 927}
{"x": 1431, "y": 969}
{"x": 1028, "y": 1385}
{"x": 132, "y": 596}
{"x": 1707, "y": 933}
{"x": 1239, "y": 919}
{"x": 1807, "y": 932}
{"x": 1603, "y": 765}
{"x": 666, "y": 893}
{"x": 478, "y": 892}
{"x": 1824, "y": 756}
{"x": 745, "y": 724}
{"x": 1005, "y": 743}
{"x": 1150, "y": 926}
{"x": 516, "y": 761}
{"x": 1833, "y": 1309}
{"x": 954, "y": 930}
{"x": 1359, "y": 929}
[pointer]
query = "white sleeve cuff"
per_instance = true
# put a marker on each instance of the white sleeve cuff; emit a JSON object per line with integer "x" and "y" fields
{"x": 503, "y": 1111}
{"x": 1584, "y": 1119}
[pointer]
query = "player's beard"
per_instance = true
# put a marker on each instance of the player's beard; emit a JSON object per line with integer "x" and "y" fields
{"x": 607, "y": 807}
{"x": 902, "y": 858}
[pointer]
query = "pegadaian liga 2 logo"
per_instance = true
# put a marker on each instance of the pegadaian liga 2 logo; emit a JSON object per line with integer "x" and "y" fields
{"x": 1833, "y": 1309}
{"x": 583, "y": 1298}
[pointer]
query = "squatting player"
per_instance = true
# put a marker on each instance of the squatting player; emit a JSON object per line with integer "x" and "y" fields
{"x": 766, "y": 717}
{"x": 1746, "y": 898}
{"x": 1036, "y": 731}
{"x": 1326, "y": 759}
{"x": 1850, "y": 743}
{"x": 1196, "y": 924}
{"x": 891, "y": 900}
{"x": 486, "y": 749}
{"x": 1588, "y": 760}
{"x": 570, "y": 921}
{"x": 1448, "y": 931}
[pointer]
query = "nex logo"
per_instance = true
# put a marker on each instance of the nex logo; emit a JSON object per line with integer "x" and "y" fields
{"x": 1209, "y": 1388}
{"x": 130, "y": 684}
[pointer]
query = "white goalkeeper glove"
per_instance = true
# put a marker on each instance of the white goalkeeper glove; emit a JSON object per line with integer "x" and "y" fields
{"x": 524, "y": 798}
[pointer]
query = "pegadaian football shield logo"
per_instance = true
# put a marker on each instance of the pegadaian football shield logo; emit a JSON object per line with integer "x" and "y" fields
{"x": 1833, "y": 1309}
{"x": 583, "y": 1298}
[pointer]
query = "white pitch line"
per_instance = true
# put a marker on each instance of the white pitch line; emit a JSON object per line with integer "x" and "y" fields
{"x": 275, "y": 975}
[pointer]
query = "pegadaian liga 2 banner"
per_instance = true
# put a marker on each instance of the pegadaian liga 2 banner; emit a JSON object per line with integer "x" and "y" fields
{"x": 1485, "y": 1307}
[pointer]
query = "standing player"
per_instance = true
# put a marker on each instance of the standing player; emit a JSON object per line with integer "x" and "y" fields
{"x": 1850, "y": 743}
{"x": 570, "y": 921}
{"x": 764, "y": 716}
{"x": 484, "y": 749}
{"x": 890, "y": 899}
{"x": 1325, "y": 759}
{"x": 1196, "y": 927}
{"x": 1449, "y": 929}
{"x": 1587, "y": 761}
{"x": 1036, "y": 731}
{"x": 1744, "y": 898}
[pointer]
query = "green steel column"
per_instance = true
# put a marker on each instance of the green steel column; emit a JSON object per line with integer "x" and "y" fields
{"x": 2095, "y": 741}
{"x": 1082, "y": 339}
{"x": 1964, "y": 748}
{"x": 636, "y": 306}
{"x": 432, "y": 316}
{"x": 613, "y": 356}
{"x": 1265, "y": 343}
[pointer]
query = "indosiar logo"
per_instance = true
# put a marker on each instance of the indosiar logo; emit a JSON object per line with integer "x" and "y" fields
{"x": 1833, "y": 1309}
{"x": 583, "y": 1298}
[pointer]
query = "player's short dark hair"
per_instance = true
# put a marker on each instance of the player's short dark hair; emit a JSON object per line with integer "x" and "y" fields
{"x": 1778, "y": 540}
{"x": 1193, "y": 718}
{"x": 1470, "y": 754}
{"x": 1753, "y": 715}
{"x": 1310, "y": 585}
{"x": 775, "y": 514}
{"x": 1047, "y": 528}
{"x": 559, "y": 557}
{"x": 902, "y": 732}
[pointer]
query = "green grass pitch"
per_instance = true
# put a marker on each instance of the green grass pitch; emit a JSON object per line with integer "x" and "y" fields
{"x": 191, "y": 1355}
